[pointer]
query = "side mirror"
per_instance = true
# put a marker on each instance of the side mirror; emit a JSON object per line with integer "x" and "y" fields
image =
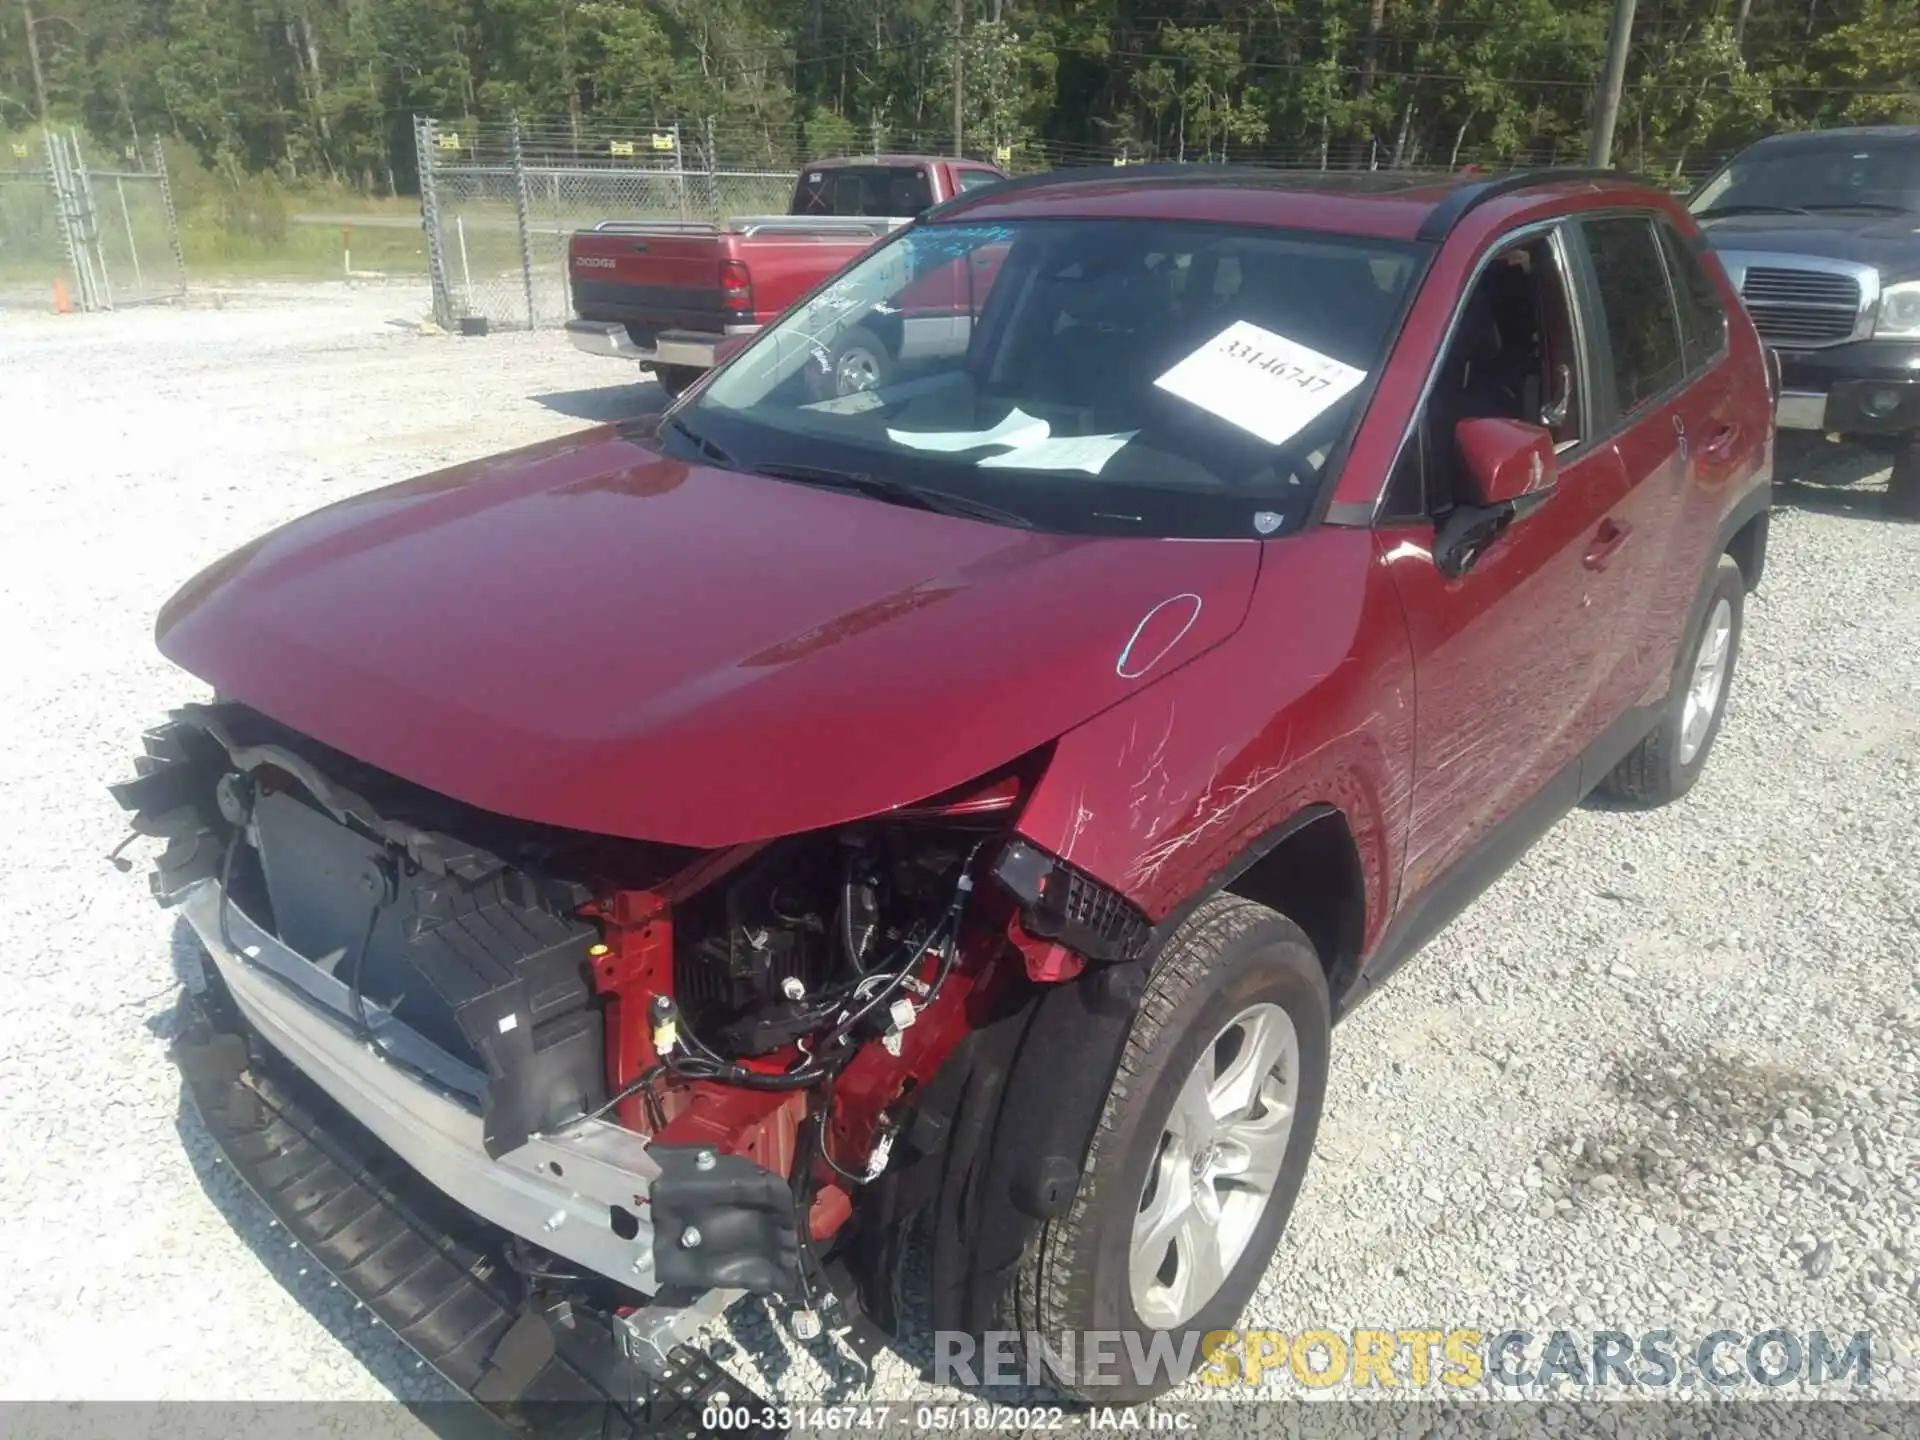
{"x": 1507, "y": 462}
{"x": 1510, "y": 472}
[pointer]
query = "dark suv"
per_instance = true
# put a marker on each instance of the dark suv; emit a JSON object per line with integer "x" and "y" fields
{"x": 660, "y": 864}
{"x": 1820, "y": 233}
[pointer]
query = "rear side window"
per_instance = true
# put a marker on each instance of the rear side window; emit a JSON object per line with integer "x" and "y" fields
{"x": 974, "y": 179}
{"x": 1703, "y": 322}
{"x": 896, "y": 191}
{"x": 1643, "y": 334}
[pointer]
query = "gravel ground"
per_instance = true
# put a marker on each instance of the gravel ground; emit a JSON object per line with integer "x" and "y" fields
{"x": 1665, "y": 1075}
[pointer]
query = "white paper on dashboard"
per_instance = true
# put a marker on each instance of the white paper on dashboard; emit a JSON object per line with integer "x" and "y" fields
{"x": 1063, "y": 452}
{"x": 858, "y": 403}
{"x": 1266, "y": 384}
{"x": 1019, "y": 428}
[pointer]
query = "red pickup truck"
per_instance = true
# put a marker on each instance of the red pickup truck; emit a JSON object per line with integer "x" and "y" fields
{"x": 667, "y": 292}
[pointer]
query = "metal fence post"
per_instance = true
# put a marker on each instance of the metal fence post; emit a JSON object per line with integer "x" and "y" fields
{"x": 679, "y": 170}
{"x": 76, "y": 235}
{"x": 172, "y": 215}
{"x": 710, "y": 199}
{"x": 425, "y": 143}
{"x": 522, "y": 205}
{"x": 63, "y": 217}
{"x": 90, "y": 226}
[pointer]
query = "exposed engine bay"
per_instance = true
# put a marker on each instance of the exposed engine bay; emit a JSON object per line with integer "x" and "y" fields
{"x": 762, "y": 1014}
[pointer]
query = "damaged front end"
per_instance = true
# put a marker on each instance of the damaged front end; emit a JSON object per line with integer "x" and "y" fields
{"x": 656, "y": 1078}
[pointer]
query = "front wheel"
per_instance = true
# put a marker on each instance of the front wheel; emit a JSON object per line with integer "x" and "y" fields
{"x": 1903, "y": 485}
{"x": 1664, "y": 766}
{"x": 1200, "y": 1149}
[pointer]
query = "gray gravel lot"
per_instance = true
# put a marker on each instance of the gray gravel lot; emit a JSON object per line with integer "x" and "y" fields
{"x": 1666, "y": 1075}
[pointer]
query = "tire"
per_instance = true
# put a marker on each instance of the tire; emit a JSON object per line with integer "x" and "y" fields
{"x": 1664, "y": 765}
{"x": 1230, "y": 958}
{"x": 1903, "y": 485}
{"x": 676, "y": 379}
{"x": 859, "y": 360}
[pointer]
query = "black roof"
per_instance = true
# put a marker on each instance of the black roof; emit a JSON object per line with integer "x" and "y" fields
{"x": 1839, "y": 138}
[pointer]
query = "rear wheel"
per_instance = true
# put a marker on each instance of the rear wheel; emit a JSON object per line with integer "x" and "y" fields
{"x": 1200, "y": 1149}
{"x": 858, "y": 361}
{"x": 1903, "y": 485}
{"x": 676, "y": 379}
{"x": 1664, "y": 766}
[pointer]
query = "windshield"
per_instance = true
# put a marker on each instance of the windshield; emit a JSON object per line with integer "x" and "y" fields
{"x": 1141, "y": 377}
{"x": 1862, "y": 177}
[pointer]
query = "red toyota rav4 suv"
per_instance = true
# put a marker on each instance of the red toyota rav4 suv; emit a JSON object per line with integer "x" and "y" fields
{"x": 657, "y": 865}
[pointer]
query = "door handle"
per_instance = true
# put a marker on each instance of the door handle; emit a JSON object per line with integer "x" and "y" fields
{"x": 1611, "y": 535}
{"x": 1720, "y": 444}
{"x": 639, "y": 247}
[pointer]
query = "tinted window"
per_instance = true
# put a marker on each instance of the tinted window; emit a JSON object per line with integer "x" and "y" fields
{"x": 1703, "y": 322}
{"x": 895, "y": 191}
{"x": 974, "y": 179}
{"x": 1869, "y": 175}
{"x": 1146, "y": 377}
{"x": 1511, "y": 358}
{"x": 1643, "y": 337}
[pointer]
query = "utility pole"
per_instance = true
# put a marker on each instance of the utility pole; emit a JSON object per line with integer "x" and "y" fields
{"x": 33, "y": 51}
{"x": 959, "y": 108}
{"x": 1606, "y": 110}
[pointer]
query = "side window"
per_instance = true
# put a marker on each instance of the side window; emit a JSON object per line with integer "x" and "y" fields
{"x": 1643, "y": 334}
{"x": 975, "y": 179}
{"x": 1512, "y": 356}
{"x": 1703, "y": 321}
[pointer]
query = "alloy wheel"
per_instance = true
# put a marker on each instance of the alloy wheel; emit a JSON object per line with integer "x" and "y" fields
{"x": 1709, "y": 680}
{"x": 1216, "y": 1166}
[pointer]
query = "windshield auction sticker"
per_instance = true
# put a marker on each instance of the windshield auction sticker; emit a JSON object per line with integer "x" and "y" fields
{"x": 1265, "y": 383}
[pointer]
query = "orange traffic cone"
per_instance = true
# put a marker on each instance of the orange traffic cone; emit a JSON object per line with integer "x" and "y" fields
{"x": 62, "y": 302}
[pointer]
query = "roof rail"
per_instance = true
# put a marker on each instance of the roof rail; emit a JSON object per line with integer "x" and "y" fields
{"x": 1454, "y": 208}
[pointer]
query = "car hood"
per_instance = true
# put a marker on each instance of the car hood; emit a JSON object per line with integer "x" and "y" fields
{"x": 588, "y": 634}
{"x": 1891, "y": 243}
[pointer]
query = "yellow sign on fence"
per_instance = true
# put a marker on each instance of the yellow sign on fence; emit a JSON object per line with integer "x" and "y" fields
{"x": 1003, "y": 155}
{"x": 620, "y": 147}
{"x": 663, "y": 140}
{"x": 19, "y": 151}
{"x": 448, "y": 141}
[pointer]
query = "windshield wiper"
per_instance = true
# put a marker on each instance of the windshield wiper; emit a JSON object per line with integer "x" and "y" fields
{"x": 705, "y": 446}
{"x": 1711, "y": 211}
{"x": 895, "y": 492}
{"x": 1879, "y": 207}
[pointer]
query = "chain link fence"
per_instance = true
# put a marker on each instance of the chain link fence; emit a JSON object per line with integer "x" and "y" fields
{"x": 499, "y": 198}
{"x": 498, "y": 201}
{"x": 82, "y": 228}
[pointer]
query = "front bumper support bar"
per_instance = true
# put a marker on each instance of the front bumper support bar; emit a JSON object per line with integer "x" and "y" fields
{"x": 564, "y": 1192}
